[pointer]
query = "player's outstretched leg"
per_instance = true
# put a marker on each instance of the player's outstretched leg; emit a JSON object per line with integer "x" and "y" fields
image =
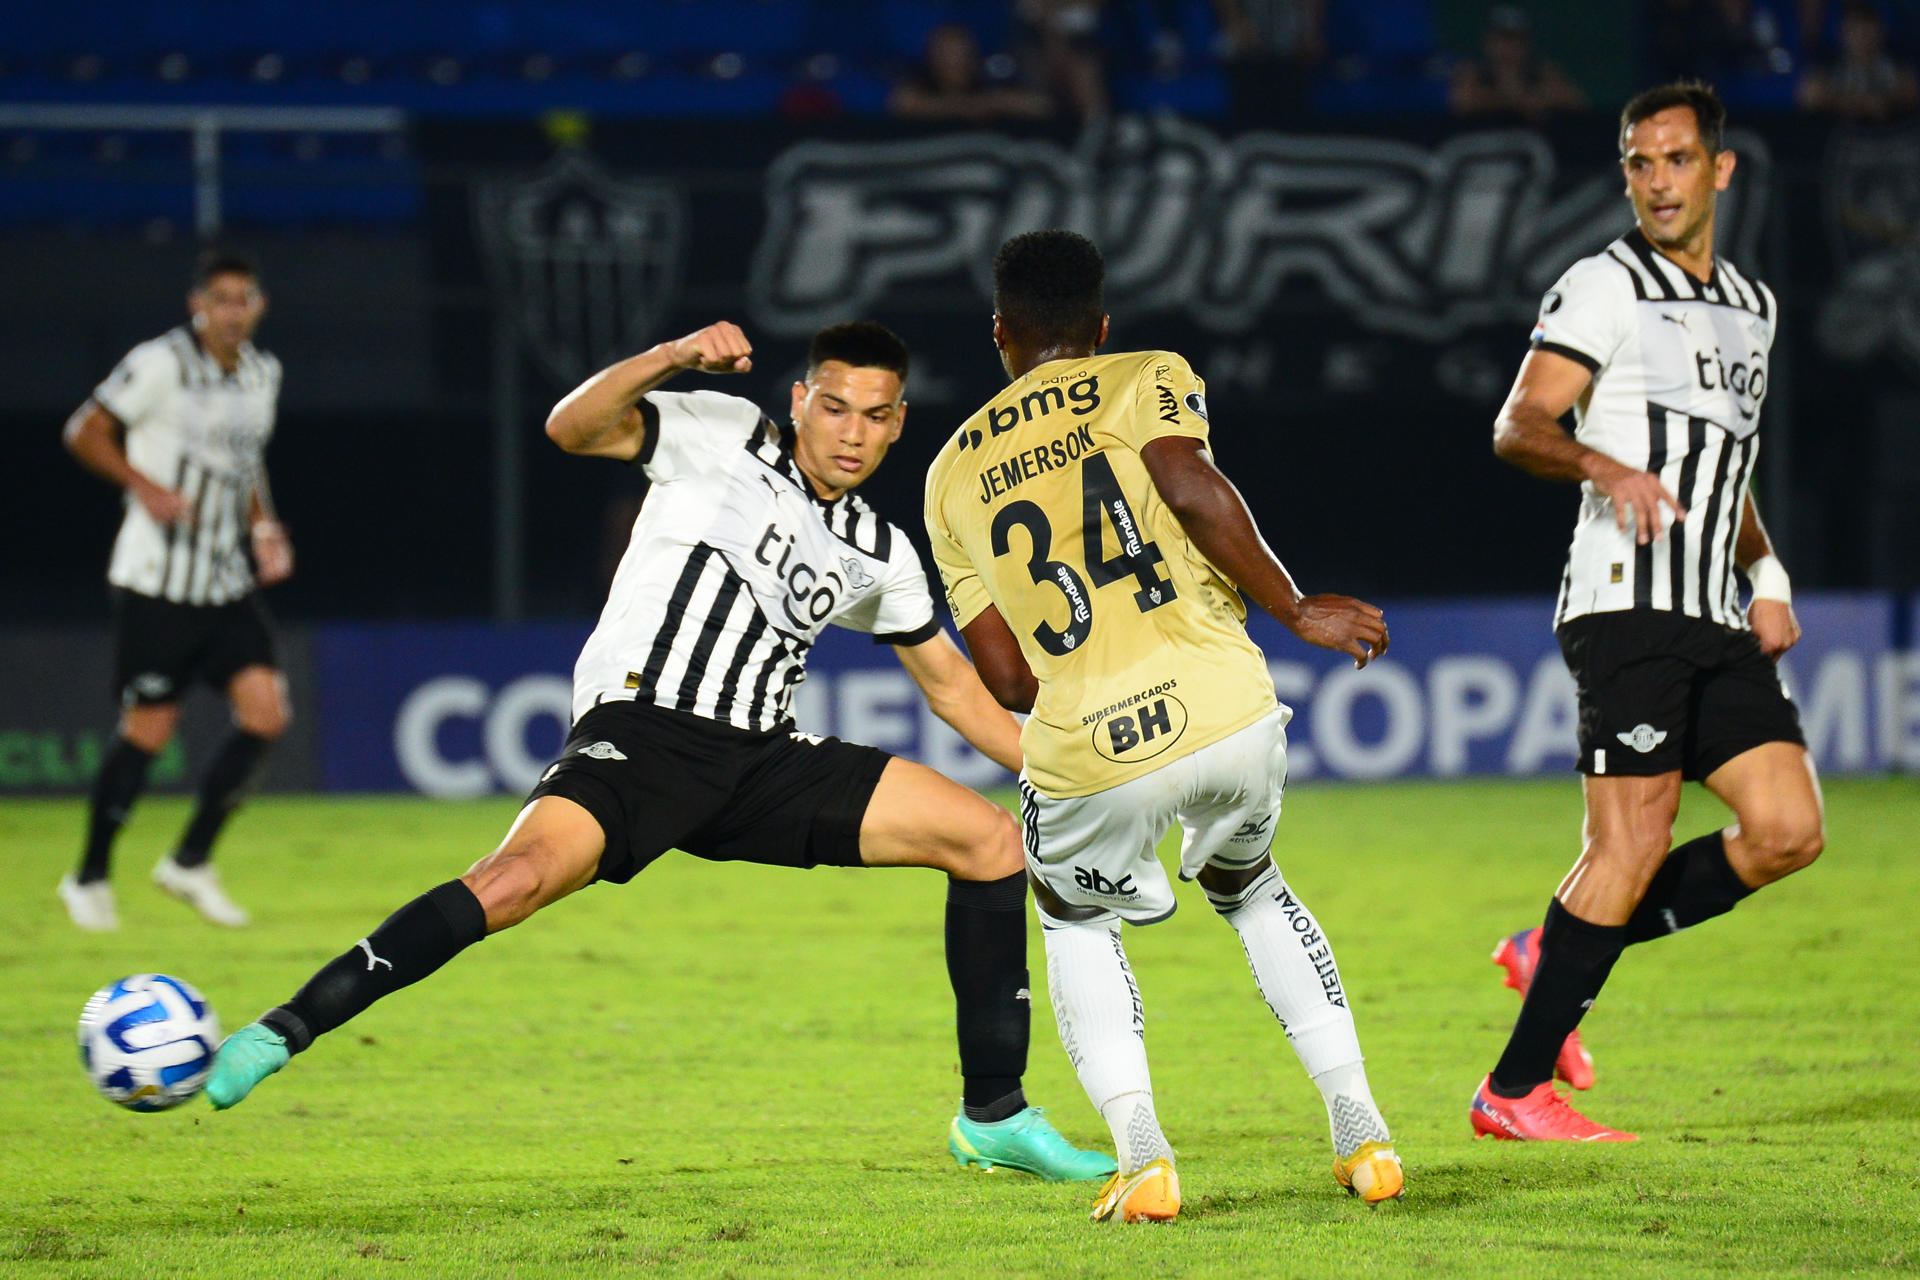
{"x": 1097, "y": 1005}
{"x": 553, "y": 849}
{"x": 1293, "y": 966}
{"x": 917, "y": 817}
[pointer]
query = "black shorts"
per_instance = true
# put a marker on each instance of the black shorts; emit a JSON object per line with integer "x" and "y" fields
{"x": 1661, "y": 691}
{"x": 656, "y": 779}
{"x": 160, "y": 649}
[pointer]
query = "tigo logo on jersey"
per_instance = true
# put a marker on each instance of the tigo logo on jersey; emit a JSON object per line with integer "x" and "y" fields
{"x": 1141, "y": 734}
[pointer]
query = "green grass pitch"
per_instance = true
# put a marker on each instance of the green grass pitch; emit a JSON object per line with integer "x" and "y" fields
{"x": 734, "y": 1071}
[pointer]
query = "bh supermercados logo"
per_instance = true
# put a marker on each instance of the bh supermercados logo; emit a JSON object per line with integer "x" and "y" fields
{"x": 587, "y": 264}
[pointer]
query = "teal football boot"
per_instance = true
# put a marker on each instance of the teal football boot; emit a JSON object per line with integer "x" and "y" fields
{"x": 1026, "y": 1141}
{"x": 243, "y": 1060}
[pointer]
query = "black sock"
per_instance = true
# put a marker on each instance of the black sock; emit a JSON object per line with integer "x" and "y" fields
{"x": 1575, "y": 959}
{"x": 220, "y": 790}
{"x": 987, "y": 964}
{"x": 122, "y": 777}
{"x": 415, "y": 940}
{"x": 1695, "y": 883}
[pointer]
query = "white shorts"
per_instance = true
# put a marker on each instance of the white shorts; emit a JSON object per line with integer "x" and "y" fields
{"x": 1100, "y": 850}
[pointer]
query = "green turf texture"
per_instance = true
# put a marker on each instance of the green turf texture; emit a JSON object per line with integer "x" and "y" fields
{"x": 736, "y": 1071}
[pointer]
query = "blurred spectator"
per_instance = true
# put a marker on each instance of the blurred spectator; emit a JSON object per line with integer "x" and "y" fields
{"x": 1862, "y": 81}
{"x": 952, "y": 84}
{"x": 1510, "y": 78}
{"x": 1272, "y": 47}
{"x": 1062, "y": 44}
{"x": 1714, "y": 40}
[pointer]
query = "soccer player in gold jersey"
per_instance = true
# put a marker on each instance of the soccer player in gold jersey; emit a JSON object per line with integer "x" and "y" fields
{"x": 1094, "y": 557}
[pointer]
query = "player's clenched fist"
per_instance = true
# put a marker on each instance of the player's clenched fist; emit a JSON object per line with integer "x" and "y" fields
{"x": 718, "y": 348}
{"x": 1342, "y": 623}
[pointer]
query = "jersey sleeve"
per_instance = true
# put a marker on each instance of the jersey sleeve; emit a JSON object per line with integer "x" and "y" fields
{"x": 1169, "y": 400}
{"x": 139, "y": 385}
{"x": 689, "y": 432}
{"x": 1586, "y": 314}
{"x": 901, "y": 611}
{"x": 967, "y": 596}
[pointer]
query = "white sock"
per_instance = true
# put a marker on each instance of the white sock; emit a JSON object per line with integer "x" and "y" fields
{"x": 1293, "y": 965}
{"x": 1096, "y": 1004}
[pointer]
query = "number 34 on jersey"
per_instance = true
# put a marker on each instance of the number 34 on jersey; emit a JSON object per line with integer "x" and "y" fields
{"x": 1041, "y": 507}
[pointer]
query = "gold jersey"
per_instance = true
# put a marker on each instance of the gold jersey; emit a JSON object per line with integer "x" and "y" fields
{"x": 1042, "y": 508}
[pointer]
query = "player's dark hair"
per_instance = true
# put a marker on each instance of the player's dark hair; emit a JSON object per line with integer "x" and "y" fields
{"x": 860, "y": 343}
{"x": 223, "y": 262}
{"x": 1696, "y": 95}
{"x": 1050, "y": 287}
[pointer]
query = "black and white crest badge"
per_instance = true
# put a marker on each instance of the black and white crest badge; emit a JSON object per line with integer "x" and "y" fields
{"x": 588, "y": 264}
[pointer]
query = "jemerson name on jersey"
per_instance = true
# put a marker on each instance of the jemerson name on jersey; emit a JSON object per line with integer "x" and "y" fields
{"x": 1679, "y": 372}
{"x": 736, "y": 567}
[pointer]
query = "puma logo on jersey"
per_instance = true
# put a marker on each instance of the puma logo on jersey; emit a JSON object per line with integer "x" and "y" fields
{"x": 1684, "y": 319}
{"x": 1642, "y": 738}
{"x": 603, "y": 751}
{"x": 372, "y": 959}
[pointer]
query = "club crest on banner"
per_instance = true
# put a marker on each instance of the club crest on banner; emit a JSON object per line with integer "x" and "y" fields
{"x": 587, "y": 264}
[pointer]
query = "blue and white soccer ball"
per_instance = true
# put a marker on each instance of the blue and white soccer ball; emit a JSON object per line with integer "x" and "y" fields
{"x": 147, "y": 1041}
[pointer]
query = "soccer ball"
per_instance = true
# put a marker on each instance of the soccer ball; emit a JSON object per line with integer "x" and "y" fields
{"x": 147, "y": 1041}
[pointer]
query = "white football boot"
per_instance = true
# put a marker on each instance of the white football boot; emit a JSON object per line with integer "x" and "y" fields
{"x": 199, "y": 887}
{"x": 90, "y": 905}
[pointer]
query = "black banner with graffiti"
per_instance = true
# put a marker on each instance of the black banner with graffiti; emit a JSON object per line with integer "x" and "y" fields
{"x": 1357, "y": 301}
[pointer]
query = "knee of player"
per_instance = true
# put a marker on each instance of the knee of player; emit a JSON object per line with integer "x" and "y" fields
{"x": 995, "y": 852}
{"x": 1786, "y": 846}
{"x": 269, "y": 724}
{"x": 509, "y": 885}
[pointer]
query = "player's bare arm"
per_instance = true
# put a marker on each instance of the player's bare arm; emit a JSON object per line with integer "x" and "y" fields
{"x": 1528, "y": 434}
{"x": 1001, "y": 665}
{"x": 955, "y": 692}
{"x": 601, "y": 418}
{"x": 1771, "y": 613}
{"x": 272, "y": 549}
{"x": 1218, "y": 522}
{"x": 94, "y": 437}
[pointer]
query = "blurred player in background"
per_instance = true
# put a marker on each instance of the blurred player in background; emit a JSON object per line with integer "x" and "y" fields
{"x": 1659, "y": 349}
{"x": 1094, "y": 557}
{"x": 750, "y": 543}
{"x": 181, "y": 425}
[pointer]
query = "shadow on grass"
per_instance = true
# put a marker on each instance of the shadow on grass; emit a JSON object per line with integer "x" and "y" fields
{"x": 1874, "y": 1107}
{"x": 1431, "y": 1188}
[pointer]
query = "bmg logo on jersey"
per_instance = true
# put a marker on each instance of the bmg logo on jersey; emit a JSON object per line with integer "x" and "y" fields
{"x": 1093, "y": 880}
{"x": 1083, "y": 395}
{"x": 1142, "y": 733}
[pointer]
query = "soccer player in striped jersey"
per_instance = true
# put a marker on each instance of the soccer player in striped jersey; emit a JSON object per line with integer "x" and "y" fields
{"x": 1094, "y": 558}
{"x": 750, "y": 543}
{"x": 181, "y": 425}
{"x": 1659, "y": 350}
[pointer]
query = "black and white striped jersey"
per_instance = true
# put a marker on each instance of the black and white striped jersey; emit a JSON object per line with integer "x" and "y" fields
{"x": 1679, "y": 372}
{"x": 202, "y": 432}
{"x": 736, "y": 567}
